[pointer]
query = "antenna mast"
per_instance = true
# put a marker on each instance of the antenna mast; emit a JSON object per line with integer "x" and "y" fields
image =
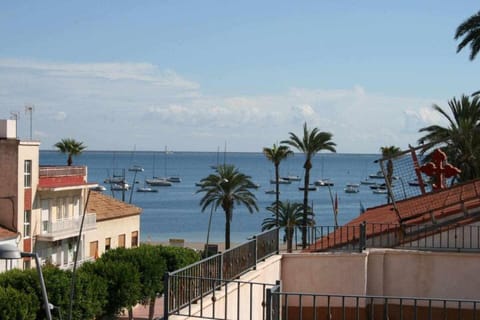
{"x": 29, "y": 110}
{"x": 15, "y": 115}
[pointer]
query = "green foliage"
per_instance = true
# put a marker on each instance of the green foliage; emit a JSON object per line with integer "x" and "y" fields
{"x": 469, "y": 30}
{"x": 312, "y": 142}
{"x": 90, "y": 293}
{"x": 177, "y": 257}
{"x": 71, "y": 147}
{"x": 226, "y": 188}
{"x": 460, "y": 138}
{"x": 123, "y": 285}
{"x": 16, "y": 304}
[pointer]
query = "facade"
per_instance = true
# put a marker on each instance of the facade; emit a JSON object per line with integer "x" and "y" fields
{"x": 42, "y": 208}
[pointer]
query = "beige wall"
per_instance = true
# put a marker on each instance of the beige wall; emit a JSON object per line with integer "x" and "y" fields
{"x": 112, "y": 229}
{"x": 384, "y": 272}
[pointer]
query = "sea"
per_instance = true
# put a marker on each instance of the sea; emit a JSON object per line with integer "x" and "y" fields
{"x": 175, "y": 213}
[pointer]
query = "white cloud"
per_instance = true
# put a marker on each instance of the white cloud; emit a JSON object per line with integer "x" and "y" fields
{"x": 118, "y": 105}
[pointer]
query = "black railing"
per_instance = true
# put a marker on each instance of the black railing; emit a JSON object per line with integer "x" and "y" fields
{"x": 447, "y": 237}
{"x": 287, "y": 305}
{"x": 185, "y": 286}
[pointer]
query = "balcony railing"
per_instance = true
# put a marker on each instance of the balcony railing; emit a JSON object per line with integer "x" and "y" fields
{"x": 447, "y": 237}
{"x": 68, "y": 227}
{"x": 288, "y": 305}
{"x": 60, "y": 171}
{"x": 184, "y": 286}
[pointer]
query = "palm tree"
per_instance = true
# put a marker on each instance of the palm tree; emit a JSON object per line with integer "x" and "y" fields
{"x": 389, "y": 152}
{"x": 470, "y": 31}
{"x": 460, "y": 139}
{"x": 226, "y": 188}
{"x": 276, "y": 154}
{"x": 70, "y": 147}
{"x": 310, "y": 143}
{"x": 289, "y": 216}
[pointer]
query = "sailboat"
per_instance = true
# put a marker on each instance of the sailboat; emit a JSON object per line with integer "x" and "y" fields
{"x": 215, "y": 166}
{"x": 175, "y": 179}
{"x": 135, "y": 167}
{"x": 156, "y": 181}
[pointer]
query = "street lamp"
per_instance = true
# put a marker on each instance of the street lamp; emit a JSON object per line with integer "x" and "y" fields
{"x": 9, "y": 251}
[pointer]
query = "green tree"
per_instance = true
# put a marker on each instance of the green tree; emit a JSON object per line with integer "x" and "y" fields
{"x": 469, "y": 30}
{"x": 71, "y": 147}
{"x": 310, "y": 143}
{"x": 123, "y": 285}
{"x": 277, "y": 154}
{"x": 460, "y": 139}
{"x": 389, "y": 152}
{"x": 17, "y": 304}
{"x": 226, "y": 188}
{"x": 288, "y": 216}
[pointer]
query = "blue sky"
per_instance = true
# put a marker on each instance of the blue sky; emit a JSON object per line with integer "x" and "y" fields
{"x": 194, "y": 75}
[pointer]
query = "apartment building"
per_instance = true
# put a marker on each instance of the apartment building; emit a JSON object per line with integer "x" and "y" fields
{"x": 43, "y": 208}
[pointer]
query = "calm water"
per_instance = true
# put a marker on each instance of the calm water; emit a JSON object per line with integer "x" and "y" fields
{"x": 174, "y": 212}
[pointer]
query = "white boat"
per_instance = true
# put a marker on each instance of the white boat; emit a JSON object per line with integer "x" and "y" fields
{"x": 323, "y": 183}
{"x": 158, "y": 182}
{"x": 120, "y": 187}
{"x": 146, "y": 189}
{"x": 136, "y": 168}
{"x": 292, "y": 178}
{"x": 380, "y": 190}
{"x": 271, "y": 192}
{"x": 378, "y": 175}
{"x": 352, "y": 188}
{"x": 310, "y": 188}
{"x": 174, "y": 179}
{"x": 114, "y": 179}
{"x": 280, "y": 181}
{"x": 253, "y": 185}
{"x": 368, "y": 181}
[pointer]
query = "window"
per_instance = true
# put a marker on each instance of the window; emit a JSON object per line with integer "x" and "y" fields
{"x": 94, "y": 249}
{"x": 107, "y": 244}
{"x": 45, "y": 215}
{"x": 27, "y": 220}
{"x": 27, "y": 174}
{"x": 76, "y": 206}
{"x": 121, "y": 241}
{"x": 134, "y": 238}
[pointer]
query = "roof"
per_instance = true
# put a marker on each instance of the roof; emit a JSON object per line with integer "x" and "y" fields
{"x": 422, "y": 209}
{"x": 6, "y": 234}
{"x": 108, "y": 208}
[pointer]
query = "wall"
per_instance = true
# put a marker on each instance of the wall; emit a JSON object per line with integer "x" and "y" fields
{"x": 384, "y": 272}
{"x": 112, "y": 229}
{"x": 9, "y": 186}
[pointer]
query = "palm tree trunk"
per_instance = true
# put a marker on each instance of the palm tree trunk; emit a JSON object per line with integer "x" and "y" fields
{"x": 307, "y": 167}
{"x": 277, "y": 192}
{"x": 289, "y": 231}
{"x": 227, "y": 230}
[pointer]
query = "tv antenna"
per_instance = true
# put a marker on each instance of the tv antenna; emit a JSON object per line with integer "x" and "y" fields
{"x": 29, "y": 110}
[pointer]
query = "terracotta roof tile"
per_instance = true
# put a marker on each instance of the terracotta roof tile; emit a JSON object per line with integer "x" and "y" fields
{"x": 417, "y": 210}
{"x": 107, "y": 207}
{"x": 6, "y": 234}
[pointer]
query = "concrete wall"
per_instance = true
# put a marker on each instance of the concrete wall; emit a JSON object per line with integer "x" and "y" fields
{"x": 384, "y": 272}
{"x": 9, "y": 186}
{"x": 112, "y": 229}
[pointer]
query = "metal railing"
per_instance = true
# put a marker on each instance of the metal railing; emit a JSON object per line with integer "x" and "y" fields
{"x": 69, "y": 226}
{"x": 287, "y": 305}
{"x": 185, "y": 286}
{"x": 446, "y": 237}
{"x": 58, "y": 171}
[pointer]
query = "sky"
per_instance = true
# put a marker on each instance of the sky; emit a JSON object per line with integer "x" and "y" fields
{"x": 202, "y": 75}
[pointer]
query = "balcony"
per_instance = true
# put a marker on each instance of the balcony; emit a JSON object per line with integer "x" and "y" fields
{"x": 61, "y": 229}
{"x": 62, "y": 171}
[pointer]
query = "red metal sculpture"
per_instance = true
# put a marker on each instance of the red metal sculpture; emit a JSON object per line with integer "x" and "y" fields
{"x": 439, "y": 169}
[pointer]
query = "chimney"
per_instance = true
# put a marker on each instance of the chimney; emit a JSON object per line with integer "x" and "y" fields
{"x": 8, "y": 129}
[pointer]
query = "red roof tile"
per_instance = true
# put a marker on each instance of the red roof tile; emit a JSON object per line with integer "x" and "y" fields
{"x": 413, "y": 211}
{"x": 108, "y": 208}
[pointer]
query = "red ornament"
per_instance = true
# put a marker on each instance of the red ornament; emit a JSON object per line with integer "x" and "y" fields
{"x": 439, "y": 169}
